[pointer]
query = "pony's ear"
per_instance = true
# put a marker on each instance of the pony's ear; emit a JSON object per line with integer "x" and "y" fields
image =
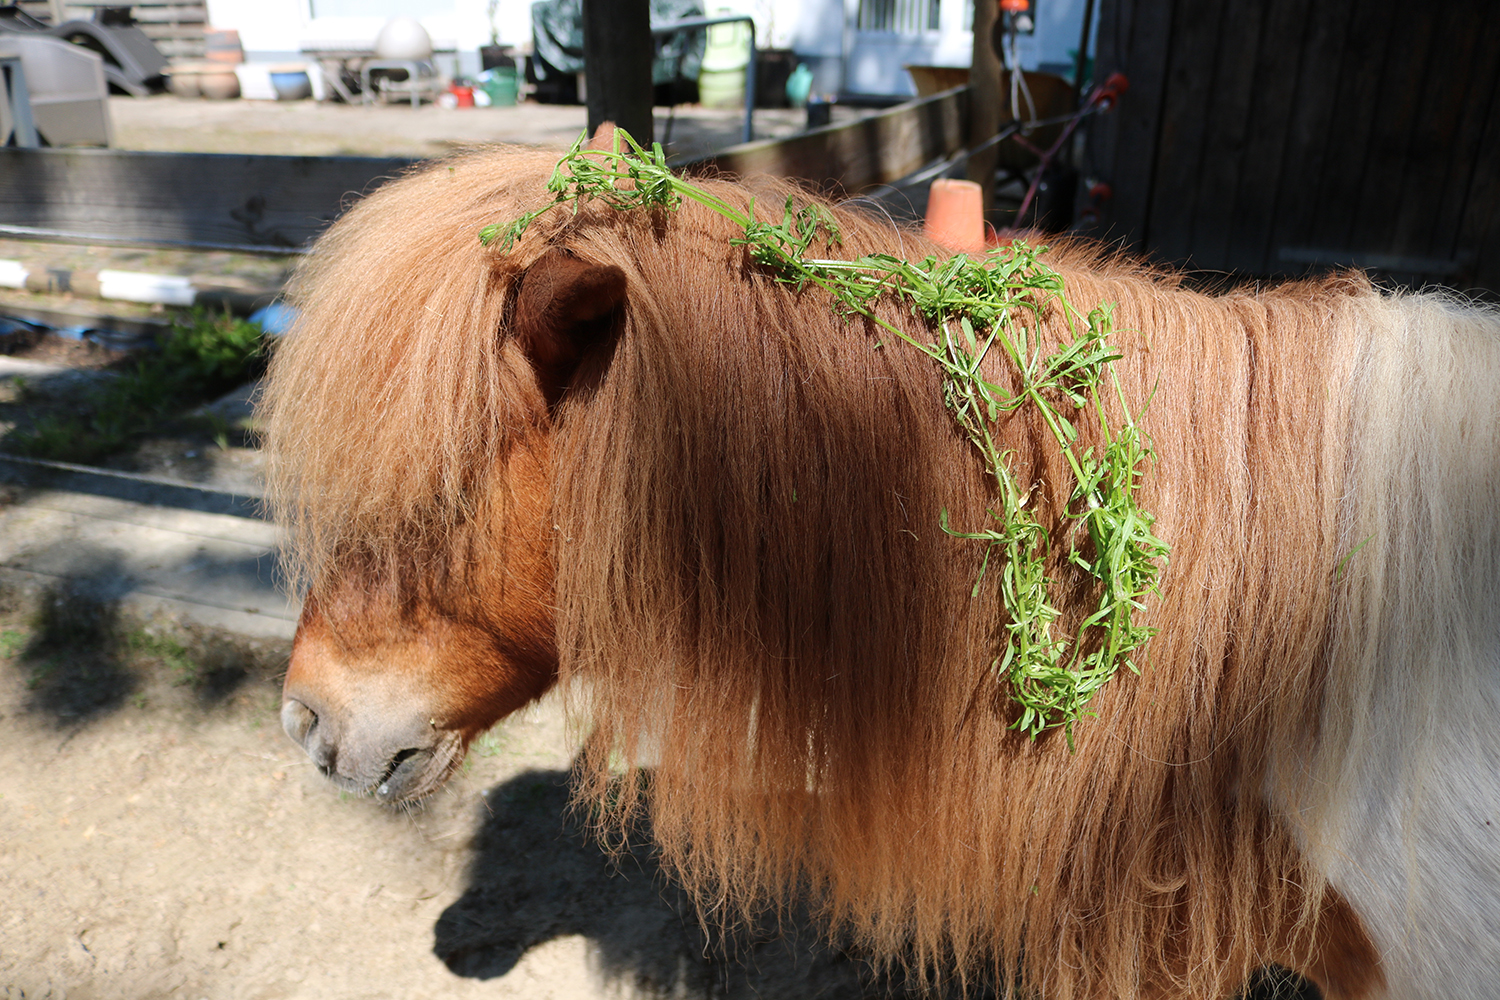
{"x": 564, "y": 307}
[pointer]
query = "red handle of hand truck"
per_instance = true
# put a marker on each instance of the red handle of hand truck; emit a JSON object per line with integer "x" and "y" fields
{"x": 1113, "y": 87}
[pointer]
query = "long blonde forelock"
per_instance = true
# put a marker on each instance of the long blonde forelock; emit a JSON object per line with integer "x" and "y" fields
{"x": 392, "y": 398}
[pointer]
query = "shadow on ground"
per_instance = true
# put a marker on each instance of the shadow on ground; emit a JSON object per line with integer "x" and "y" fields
{"x": 537, "y": 875}
{"x": 71, "y": 657}
{"x": 80, "y": 656}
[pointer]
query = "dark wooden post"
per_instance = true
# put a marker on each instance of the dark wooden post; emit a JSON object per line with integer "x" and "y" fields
{"x": 617, "y": 65}
{"x": 985, "y": 99}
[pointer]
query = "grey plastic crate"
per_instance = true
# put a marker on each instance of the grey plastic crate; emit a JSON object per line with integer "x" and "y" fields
{"x": 69, "y": 95}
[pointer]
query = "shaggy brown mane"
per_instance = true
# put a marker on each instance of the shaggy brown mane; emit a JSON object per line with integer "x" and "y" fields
{"x": 753, "y": 589}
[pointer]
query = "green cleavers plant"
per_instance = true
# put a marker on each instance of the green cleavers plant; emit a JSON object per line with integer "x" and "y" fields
{"x": 975, "y": 307}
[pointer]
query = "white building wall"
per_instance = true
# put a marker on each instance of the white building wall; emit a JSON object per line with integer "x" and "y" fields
{"x": 814, "y": 29}
{"x": 264, "y": 25}
{"x": 273, "y": 29}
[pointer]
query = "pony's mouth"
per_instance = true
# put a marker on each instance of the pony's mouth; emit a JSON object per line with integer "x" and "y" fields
{"x": 416, "y": 772}
{"x": 399, "y": 772}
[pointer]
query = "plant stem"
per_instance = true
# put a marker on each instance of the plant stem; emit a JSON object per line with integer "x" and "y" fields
{"x": 990, "y": 300}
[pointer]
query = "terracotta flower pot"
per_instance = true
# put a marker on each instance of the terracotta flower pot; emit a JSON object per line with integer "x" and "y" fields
{"x": 955, "y": 215}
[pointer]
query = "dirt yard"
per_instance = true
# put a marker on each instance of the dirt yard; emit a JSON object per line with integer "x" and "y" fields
{"x": 163, "y": 838}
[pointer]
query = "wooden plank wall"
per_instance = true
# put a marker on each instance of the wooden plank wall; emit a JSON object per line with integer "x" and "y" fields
{"x": 858, "y": 155}
{"x": 280, "y": 203}
{"x": 264, "y": 203}
{"x": 1269, "y": 137}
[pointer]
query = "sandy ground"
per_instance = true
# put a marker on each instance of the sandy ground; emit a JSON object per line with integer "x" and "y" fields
{"x": 162, "y": 837}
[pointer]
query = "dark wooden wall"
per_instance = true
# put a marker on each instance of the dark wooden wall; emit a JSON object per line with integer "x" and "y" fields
{"x": 1270, "y": 137}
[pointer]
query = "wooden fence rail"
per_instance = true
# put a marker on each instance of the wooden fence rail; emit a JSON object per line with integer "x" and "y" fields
{"x": 279, "y": 204}
{"x": 275, "y": 204}
{"x": 858, "y": 155}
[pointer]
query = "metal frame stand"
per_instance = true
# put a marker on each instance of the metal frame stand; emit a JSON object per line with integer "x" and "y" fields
{"x": 15, "y": 105}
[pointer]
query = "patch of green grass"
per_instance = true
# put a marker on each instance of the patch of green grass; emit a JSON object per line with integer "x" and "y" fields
{"x": 203, "y": 356}
{"x": 491, "y": 744}
{"x": 12, "y": 641}
{"x": 166, "y": 649}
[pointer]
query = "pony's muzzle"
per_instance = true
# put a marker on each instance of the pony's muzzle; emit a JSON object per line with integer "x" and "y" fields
{"x": 393, "y": 764}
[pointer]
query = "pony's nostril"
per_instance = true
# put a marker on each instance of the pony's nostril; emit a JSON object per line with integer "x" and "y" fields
{"x": 323, "y": 754}
{"x": 301, "y": 724}
{"x": 298, "y": 720}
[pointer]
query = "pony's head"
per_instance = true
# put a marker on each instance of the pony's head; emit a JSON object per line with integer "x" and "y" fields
{"x": 413, "y": 420}
{"x": 410, "y": 416}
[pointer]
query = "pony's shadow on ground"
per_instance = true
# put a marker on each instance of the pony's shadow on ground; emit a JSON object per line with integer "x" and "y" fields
{"x": 538, "y": 875}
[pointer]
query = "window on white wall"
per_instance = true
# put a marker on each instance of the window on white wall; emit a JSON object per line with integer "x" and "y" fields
{"x": 902, "y": 17}
{"x": 381, "y": 8}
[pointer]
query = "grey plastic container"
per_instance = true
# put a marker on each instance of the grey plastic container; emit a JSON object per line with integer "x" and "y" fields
{"x": 69, "y": 95}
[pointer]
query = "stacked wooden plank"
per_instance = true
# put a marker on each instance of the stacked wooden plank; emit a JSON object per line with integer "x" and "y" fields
{"x": 176, "y": 28}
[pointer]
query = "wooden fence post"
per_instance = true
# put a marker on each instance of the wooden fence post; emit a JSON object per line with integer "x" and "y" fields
{"x": 617, "y": 51}
{"x": 985, "y": 100}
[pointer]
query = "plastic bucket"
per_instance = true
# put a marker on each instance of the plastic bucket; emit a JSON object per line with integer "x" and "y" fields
{"x": 728, "y": 46}
{"x": 502, "y": 86}
{"x": 721, "y": 88}
{"x": 291, "y": 85}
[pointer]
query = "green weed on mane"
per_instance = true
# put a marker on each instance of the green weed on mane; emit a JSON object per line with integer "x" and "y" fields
{"x": 973, "y": 306}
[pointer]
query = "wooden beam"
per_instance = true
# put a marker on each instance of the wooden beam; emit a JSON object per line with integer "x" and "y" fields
{"x": 861, "y": 154}
{"x": 617, "y": 54}
{"x": 207, "y": 200}
{"x": 985, "y": 111}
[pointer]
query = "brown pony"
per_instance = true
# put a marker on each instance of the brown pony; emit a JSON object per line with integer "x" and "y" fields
{"x": 625, "y": 458}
